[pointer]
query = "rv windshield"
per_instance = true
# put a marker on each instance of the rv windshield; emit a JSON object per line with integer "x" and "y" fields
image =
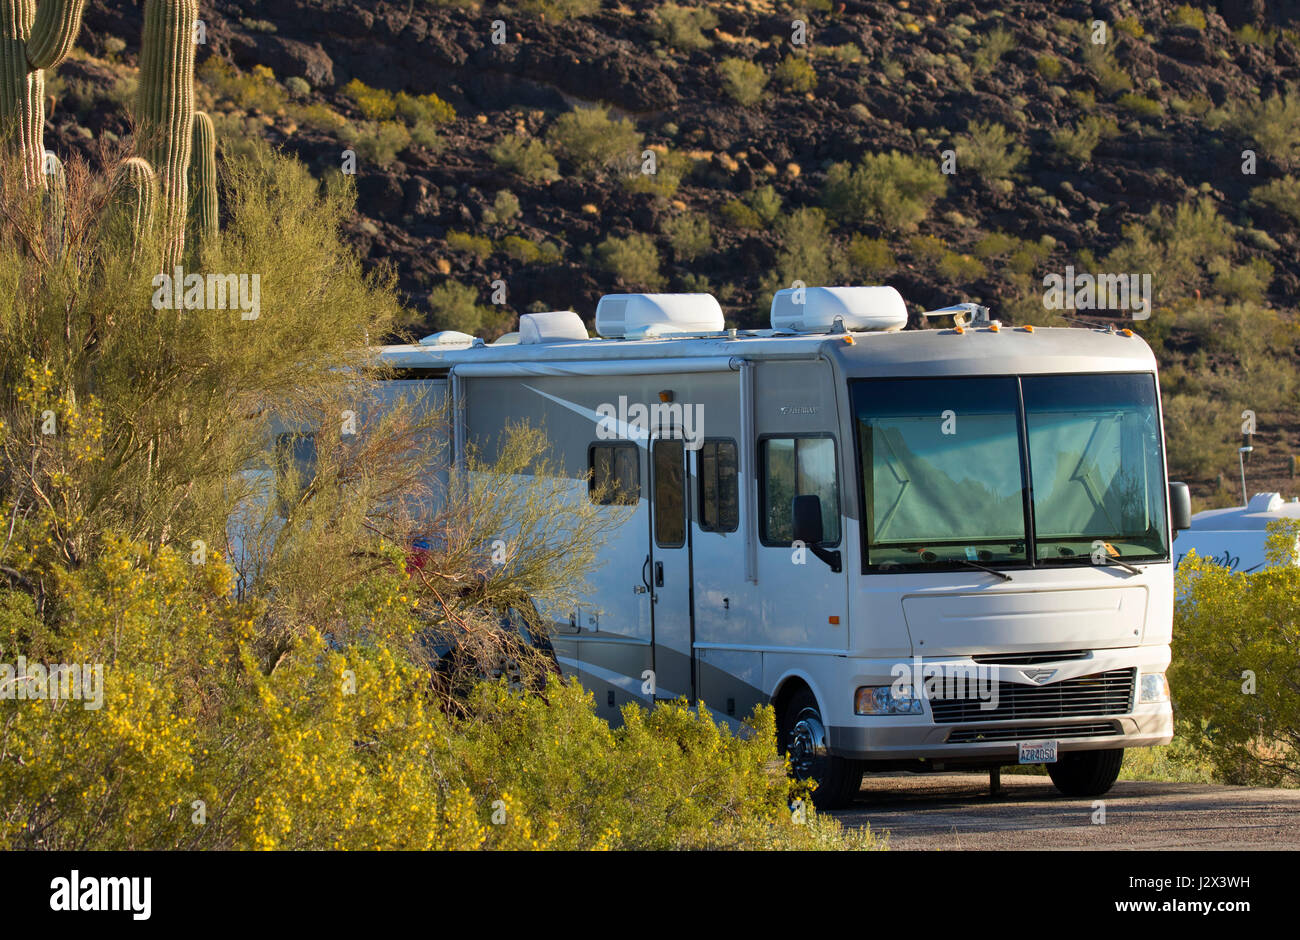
{"x": 945, "y": 464}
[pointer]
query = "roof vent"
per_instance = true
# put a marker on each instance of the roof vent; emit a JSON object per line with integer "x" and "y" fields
{"x": 447, "y": 338}
{"x": 555, "y": 326}
{"x": 627, "y": 316}
{"x": 1265, "y": 502}
{"x": 816, "y": 309}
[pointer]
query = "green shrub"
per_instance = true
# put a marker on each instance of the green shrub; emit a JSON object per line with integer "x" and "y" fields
{"x": 298, "y": 87}
{"x": 594, "y": 142}
{"x": 960, "y": 268}
{"x": 990, "y": 150}
{"x": 478, "y": 245}
{"x": 1141, "y": 105}
{"x": 634, "y": 260}
{"x": 1187, "y": 15}
{"x": 1080, "y": 141}
{"x": 1273, "y": 124}
{"x": 807, "y": 252}
{"x": 376, "y": 104}
{"x": 1050, "y": 67}
{"x": 743, "y": 81}
{"x": 671, "y": 168}
{"x": 505, "y": 206}
{"x": 455, "y": 307}
{"x": 870, "y": 258}
{"x": 993, "y": 46}
{"x": 425, "y": 134}
{"x": 1177, "y": 247}
{"x": 1283, "y": 194}
{"x": 1247, "y": 281}
{"x": 1100, "y": 59}
{"x": 247, "y": 90}
{"x": 524, "y": 157}
{"x": 682, "y": 27}
{"x": 739, "y": 215}
{"x": 995, "y": 244}
{"x": 555, "y": 10}
{"x": 1233, "y": 672}
{"x": 795, "y": 73}
{"x": 428, "y": 109}
{"x": 894, "y": 190}
{"x": 689, "y": 234}
{"x": 758, "y": 209}
{"x": 521, "y": 249}
{"x": 379, "y": 142}
{"x": 1130, "y": 26}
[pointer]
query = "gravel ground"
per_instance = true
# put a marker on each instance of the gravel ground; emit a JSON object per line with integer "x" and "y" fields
{"x": 957, "y": 811}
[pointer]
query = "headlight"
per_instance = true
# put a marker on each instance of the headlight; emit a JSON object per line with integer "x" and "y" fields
{"x": 1155, "y": 688}
{"x": 881, "y": 700}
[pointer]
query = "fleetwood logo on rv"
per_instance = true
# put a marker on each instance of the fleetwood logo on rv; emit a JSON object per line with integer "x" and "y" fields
{"x": 634, "y": 421}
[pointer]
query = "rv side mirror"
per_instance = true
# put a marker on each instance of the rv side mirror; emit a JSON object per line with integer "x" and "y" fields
{"x": 806, "y": 515}
{"x": 1180, "y": 507}
{"x": 807, "y": 512}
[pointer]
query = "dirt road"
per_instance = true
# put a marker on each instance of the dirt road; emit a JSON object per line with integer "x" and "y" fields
{"x": 956, "y": 811}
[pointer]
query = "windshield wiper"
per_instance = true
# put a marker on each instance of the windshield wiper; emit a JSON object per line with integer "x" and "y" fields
{"x": 1112, "y": 560}
{"x": 993, "y": 571}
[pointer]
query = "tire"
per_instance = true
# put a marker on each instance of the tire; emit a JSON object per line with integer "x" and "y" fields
{"x": 803, "y": 738}
{"x": 1086, "y": 773}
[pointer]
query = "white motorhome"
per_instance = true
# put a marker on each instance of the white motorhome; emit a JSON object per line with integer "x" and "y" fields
{"x": 928, "y": 549}
{"x": 1236, "y": 537}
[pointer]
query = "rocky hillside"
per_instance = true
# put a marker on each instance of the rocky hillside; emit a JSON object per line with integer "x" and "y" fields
{"x": 534, "y": 155}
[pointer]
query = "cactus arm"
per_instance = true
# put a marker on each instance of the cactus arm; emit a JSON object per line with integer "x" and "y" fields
{"x": 165, "y": 107}
{"x": 54, "y": 32}
{"x": 203, "y": 169}
{"x": 22, "y": 91}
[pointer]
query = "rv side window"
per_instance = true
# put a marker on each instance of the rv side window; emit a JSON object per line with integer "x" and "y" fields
{"x": 797, "y": 466}
{"x": 615, "y": 474}
{"x": 719, "y": 492}
{"x": 669, "y": 493}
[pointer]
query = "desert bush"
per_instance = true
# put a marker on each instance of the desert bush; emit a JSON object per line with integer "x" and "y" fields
{"x": 990, "y": 150}
{"x": 960, "y": 268}
{"x": 1188, "y": 15}
{"x": 379, "y": 142}
{"x": 554, "y": 10}
{"x": 1141, "y": 105}
{"x": 1130, "y": 26}
{"x": 871, "y": 258}
{"x": 455, "y": 306}
{"x": 1283, "y": 194}
{"x": 795, "y": 73}
{"x": 1049, "y": 67}
{"x": 423, "y": 109}
{"x": 996, "y": 43}
{"x": 1248, "y": 281}
{"x": 319, "y": 116}
{"x": 1272, "y": 123}
{"x": 682, "y": 27}
{"x": 742, "y": 80}
{"x": 893, "y": 190}
{"x": 671, "y": 168}
{"x": 246, "y": 90}
{"x": 1234, "y": 675}
{"x": 807, "y": 252}
{"x": 760, "y": 207}
{"x": 376, "y": 104}
{"x": 1177, "y": 247}
{"x": 524, "y": 157}
{"x": 478, "y": 245}
{"x": 1100, "y": 60}
{"x": 530, "y": 252}
{"x": 1079, "y": 142}
{"x": 689, "y": 234}
{"x": 505, "y": 206}
{"x": 593, "y": 142}
{"x": 634, "y": 260}
{"x": 424, "y": 134}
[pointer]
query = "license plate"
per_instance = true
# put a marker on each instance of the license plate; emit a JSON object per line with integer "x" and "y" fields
{"x": 1038, "y": 752}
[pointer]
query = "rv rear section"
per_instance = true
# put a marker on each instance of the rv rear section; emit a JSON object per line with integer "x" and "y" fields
{"x": 927, "y": 549}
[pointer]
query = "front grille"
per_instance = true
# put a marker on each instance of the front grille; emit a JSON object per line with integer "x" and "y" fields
{"x": 1028, "y": 659}
{"x": 1105, "y": 693}
{"x": 1096, "y": 729}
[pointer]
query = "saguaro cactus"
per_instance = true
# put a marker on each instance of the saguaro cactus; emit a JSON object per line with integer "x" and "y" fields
{"x": 33, "y": 37}
{"x": 203, "y": 177}
{"x": 165, "y": 111}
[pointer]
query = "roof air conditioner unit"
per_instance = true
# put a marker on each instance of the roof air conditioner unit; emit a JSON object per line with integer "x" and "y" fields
{"x": 627, "y": 316}
{"x": 816, "y": 309}
{"x": 447, "y": 338}
{"x": 555, "y": 326}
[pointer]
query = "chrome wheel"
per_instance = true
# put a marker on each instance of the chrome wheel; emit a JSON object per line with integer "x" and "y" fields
{"x": 807, "y": 747}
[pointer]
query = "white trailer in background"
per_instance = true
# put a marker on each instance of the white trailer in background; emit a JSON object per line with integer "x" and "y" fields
{"x": 1236, "y": 537}
{"x": 833, "y": 514}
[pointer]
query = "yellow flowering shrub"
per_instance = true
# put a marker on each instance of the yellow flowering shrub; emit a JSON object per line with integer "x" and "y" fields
{"x": 205, "y": 739}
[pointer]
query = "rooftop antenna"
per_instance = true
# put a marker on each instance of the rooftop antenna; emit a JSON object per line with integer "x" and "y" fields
{"x": 1245, "y": 448}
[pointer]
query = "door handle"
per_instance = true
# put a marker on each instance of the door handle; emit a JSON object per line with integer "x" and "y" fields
{"x": 659, "y": 574}
{"x": 644, "y": 565}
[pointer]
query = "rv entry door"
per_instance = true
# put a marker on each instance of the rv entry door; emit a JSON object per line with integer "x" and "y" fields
{"x": 669, "y": 569}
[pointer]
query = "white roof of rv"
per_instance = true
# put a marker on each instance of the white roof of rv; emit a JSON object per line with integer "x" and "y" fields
{"x": 1008, "y": 351}
{"x": 1262, "y": 509}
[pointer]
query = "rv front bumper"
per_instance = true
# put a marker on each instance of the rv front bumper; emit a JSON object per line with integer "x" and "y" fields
{"x": 997, "y": 742}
